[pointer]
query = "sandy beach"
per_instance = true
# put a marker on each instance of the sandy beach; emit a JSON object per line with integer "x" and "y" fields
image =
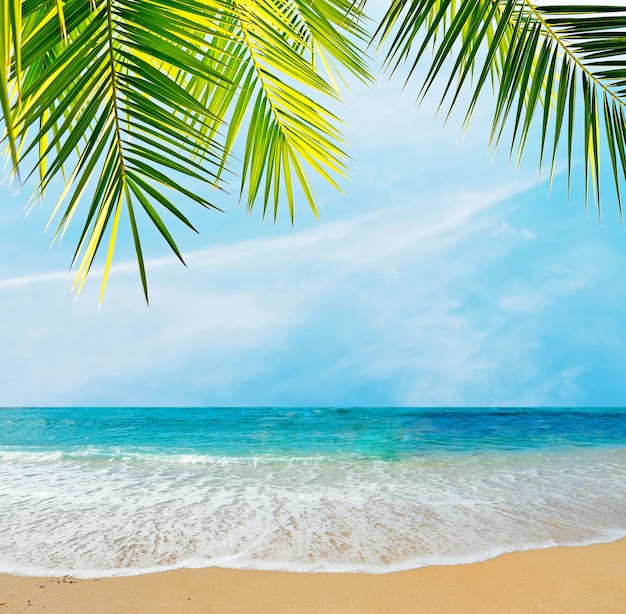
{"x": 564, "y": 579}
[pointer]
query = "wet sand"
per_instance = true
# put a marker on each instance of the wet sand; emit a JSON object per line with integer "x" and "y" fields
{"x": 574, "y": 579}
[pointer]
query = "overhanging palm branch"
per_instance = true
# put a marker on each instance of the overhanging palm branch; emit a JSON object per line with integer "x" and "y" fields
{"x": 539, "y": 56}
{"x": 130, "y": 99}
{"x": 286, "y": 125}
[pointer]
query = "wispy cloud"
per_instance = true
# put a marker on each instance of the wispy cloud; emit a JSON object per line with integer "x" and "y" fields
{"x": 440, "y": 290}
{"x": 234, "y": 315}
{"x": 362, "y": 241}
{"x": 21, "y": 281}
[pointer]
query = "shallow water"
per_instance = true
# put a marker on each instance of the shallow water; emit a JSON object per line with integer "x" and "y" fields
{"x": 98, "y": 492}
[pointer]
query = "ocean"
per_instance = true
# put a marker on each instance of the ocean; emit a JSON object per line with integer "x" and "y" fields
{"x": 97, "y": 492}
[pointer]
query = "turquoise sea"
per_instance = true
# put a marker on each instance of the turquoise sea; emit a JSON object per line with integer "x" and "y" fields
{"x": 113, "y": 491}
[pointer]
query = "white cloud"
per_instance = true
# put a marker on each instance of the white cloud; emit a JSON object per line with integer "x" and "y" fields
{"x": 396, "y": 295}
{"x": 233, "y": 309}
{"x": 35, "y": 279}
{"x": 360, "y": 242}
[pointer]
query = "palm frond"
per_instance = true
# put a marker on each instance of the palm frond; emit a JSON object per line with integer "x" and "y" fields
{"x": 130, "y": 99}
{"x": 541, "y": 58}
{"x": 96, "y": 102}
{"x": 282, "y": 55}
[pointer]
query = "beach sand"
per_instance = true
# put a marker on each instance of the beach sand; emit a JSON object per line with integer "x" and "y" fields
{"x": 565, "y": 579}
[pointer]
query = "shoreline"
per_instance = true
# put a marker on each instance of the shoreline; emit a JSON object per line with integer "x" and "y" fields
{"x": 562, "y": 579}
{"x": 373, "y": 570}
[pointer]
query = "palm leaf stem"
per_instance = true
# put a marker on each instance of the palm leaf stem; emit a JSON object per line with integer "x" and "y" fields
{"x": 558, "y": 39}
{"x": 281, "y": 144}
{"x": 539, "y": 56}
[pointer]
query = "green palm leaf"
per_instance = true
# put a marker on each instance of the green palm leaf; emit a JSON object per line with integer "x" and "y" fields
{"x": 10, "y": 54}
{"x": 541, "y": 59}
{"x": 281, "y": 54}
{"x": 130, "y": 99}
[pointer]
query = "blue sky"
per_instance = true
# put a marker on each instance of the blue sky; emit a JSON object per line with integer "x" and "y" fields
{"x": 439, "y": 277}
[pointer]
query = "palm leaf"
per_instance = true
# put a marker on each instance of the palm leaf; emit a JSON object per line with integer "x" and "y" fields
{"x": 10, "y": 58}
{"x": 131, "y": 99}
{"x": 281, "y": 53}
{"x": 541, "y": 58}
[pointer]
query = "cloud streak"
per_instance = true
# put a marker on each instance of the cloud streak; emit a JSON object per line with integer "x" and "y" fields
{"x": 359, "y": 242}
{"x": 428, "y": 295}
{"x": 237, "y": 315}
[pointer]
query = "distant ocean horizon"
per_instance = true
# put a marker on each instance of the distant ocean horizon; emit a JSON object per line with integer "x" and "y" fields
{"x": 96, "y": 492}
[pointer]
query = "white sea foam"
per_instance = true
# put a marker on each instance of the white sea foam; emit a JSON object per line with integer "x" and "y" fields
{"x": 92, "y": 514}
{"x": 19, "y": 456}
{"x": 146, "y": 457}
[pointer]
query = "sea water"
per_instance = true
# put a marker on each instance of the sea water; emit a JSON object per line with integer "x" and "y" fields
{"x": 111, "y": 491}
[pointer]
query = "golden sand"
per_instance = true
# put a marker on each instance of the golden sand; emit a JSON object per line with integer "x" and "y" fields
{"x": 584, "y": 579}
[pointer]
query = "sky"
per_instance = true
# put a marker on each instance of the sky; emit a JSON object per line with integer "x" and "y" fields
{"x": 441, "y": 276}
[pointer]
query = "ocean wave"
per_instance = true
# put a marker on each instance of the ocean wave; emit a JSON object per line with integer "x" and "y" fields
{"x": 243, "y": 563}
{"x": 151, "y": 457}
{"x": 20, "y": 456}
{"x": 65, "y": 515}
